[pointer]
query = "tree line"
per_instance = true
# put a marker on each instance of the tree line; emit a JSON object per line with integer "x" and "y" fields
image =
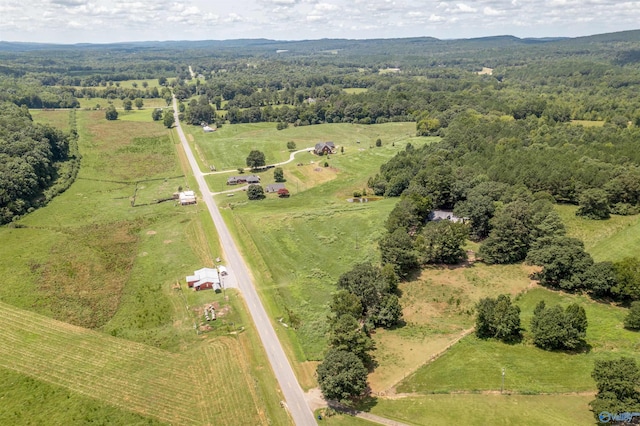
{"x": 36, "y": 161}
{"x": 366, "y": 299}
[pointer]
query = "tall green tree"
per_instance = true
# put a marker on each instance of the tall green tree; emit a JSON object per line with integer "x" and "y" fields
{"x": 628, "y": 279}
{"x": 632, "y": 320}
{"x": 441, "y": 242}
{"x": 594, "y": 204}
{"x": 553, "y": 328}
{"x": 598, "y": 279}
{"x": 498, "y": 318}
{"x": 373, "y": 287}
{"x": 346, "y": 334}
{"x": 342, "y": 376}
{"x": 255, "y": 159}
{"x": 255, "y": 192}
{"x": 479, "y": 209}
{"x": 156, "y": 114}
{"x": 509, "y": 239}
{"x": 618, "y": 384}
{"x": 344, "y": 302}
{"x": 397, "y": 249}
{"x": 389, "y": 312}
{"x": 111, "y": 113}
{"x": 561, "y": 259}
{"x": 278, "y": 174}
{"x": 168, "y": 119}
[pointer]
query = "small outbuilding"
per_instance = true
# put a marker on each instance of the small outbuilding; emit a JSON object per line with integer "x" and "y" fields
{"x": 275, "y": 187}
{"x": 187, "y": 197}
{"x": 283, "y": 193}
{"x": 205, "y": 278}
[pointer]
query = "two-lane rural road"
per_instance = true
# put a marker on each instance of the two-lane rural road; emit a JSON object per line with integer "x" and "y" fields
{"x": 294, "y": 397}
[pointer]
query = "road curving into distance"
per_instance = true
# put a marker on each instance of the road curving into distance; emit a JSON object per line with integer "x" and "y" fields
{"x": 294, "y": 397}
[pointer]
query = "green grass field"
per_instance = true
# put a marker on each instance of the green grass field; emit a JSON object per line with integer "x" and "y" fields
{"x": 91, "y": 260}
{"x": 474, "y": 409}
{"x": 149, "y": 104}
{"x": 612, "y": 239}
{"x": 475, "y": 365}
{"x": 298, "y": 247}
{"x": 355, "y": 90}
{"x": 174, "y": 388}
{"x": 228, "y": 147}
{"x": 483, "y": 410}
{"x": 588, "y": 123}
{"x": 34, "y": 401}
{"x": 438, "y": 307}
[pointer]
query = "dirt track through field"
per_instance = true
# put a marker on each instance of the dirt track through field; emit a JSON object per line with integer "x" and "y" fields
{"x": 174, "y": 388}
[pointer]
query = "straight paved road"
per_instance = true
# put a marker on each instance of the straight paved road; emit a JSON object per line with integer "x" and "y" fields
{"x": 300, "y": 411}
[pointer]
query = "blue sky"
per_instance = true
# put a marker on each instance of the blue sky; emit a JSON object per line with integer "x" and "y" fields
{"x": 102, "y": 21}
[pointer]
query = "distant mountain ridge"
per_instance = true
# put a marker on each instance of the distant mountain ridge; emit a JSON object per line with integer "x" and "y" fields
{"x": 325, "y": 43}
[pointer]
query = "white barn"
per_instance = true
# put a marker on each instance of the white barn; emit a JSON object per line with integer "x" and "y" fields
{"x": 204, "y": 278}
{"x": 187, "y": 197}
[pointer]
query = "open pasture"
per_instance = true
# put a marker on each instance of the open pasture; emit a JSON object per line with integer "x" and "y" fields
{"x": 588, "y": 123}
{"x": 612, "y": 239}
{"x": 474, "y": 365}
{"x": 207, "y": 384}
{"x": 77, "y": 254}
{"x": 56, "y": 118}
{"x": 29, "y": 401}
{"x": 355, "y": 90}
{"x": 92, "y": 259}
{"x": 228, "y": 147}
{"x": 438, "y": 308}
{"x": 102, "y": 103}
{"x": 298, "y": 247}
{"x": 491, "y": 409}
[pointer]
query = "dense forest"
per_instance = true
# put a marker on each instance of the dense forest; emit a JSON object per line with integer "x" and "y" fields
{"x": 36, "y": 161}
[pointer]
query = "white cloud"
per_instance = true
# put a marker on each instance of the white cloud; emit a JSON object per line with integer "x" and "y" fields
{"x": 489, "y": 11}
{"x": 461, "y": 7}
{"x": 326, "y": 7}
{"x": 77, "y": 20}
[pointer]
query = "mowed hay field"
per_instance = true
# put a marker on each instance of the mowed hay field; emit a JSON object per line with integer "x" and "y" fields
{"x": 89, "y": 307}
{"x": 207, "y": 385}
